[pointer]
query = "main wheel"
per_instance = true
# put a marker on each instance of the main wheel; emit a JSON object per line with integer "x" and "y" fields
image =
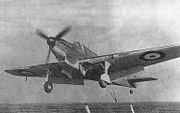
{"x": 102, "y": 83}
{"x": 48, "y": 86}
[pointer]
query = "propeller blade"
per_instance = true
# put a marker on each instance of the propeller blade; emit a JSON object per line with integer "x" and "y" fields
{"x": 48, "y": 57}
{"x": 63, "y": 32}
{"x": 41, "y": 34}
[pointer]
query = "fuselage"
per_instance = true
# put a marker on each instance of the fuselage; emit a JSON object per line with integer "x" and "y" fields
{"x": 71, "y": 52}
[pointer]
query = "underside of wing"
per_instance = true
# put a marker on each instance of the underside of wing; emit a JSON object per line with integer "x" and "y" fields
{"x": 30, "y": 71}
{"x": 143, "y": 57}
{"x": 41, "y": 70}
{"x": 132, "y": 62}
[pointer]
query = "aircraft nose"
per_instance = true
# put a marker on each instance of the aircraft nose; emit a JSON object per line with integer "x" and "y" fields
{"x": 51, "y": 42}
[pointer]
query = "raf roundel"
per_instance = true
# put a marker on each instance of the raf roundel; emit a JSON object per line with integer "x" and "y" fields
{"x": 152, "y": 55}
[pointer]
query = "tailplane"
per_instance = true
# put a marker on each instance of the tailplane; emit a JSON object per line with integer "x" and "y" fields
{"x": 132, "y": 81}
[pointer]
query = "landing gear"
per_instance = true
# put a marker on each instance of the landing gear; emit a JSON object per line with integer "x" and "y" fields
{"x": 102, "y": 83}
{"x": 131, "y": 91}
{"x": 48, "y": 86}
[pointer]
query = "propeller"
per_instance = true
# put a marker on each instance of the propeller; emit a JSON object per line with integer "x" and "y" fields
{"x": 41, "y": 34}
{"x": 52, "y": 40}
{"x": 63, "y": 32}
{"x": 48, "y": 57}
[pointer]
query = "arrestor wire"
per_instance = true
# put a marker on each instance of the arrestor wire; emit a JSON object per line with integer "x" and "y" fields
{"x": 112, "y": 94}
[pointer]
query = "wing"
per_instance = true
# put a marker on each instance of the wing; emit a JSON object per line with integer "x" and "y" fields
{"x": 41, "y": 70}
{"x": 136, "y": 58}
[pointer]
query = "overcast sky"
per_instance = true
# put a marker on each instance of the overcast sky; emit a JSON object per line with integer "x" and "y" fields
{"x": 106, "y": 27}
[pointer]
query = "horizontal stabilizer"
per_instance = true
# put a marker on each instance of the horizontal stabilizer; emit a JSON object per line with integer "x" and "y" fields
{"x": 142, "y": 79}
{"x": 132, "y": 81}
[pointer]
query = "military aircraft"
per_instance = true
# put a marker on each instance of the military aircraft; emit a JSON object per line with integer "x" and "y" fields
{"x": 76, "y": 63}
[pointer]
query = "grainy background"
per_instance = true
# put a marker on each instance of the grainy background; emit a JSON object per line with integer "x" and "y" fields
{"x": 103, "y": 25}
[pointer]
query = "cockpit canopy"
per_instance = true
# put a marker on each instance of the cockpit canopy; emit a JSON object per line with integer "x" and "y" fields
{"x": 77, "y": 44}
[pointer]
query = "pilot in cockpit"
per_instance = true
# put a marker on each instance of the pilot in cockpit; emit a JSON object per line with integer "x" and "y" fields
{"x": 77, "y": 44}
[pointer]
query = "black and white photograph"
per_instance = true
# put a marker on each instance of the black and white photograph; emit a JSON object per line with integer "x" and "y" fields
{"x": 89, "y": 56}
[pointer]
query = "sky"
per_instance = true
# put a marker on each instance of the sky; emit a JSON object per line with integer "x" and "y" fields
{"x": 104, "y": 26}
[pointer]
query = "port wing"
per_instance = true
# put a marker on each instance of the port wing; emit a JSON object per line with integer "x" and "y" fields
{"x": 41, "y": 70}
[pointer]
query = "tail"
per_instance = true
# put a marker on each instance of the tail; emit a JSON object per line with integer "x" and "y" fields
{"x": 132, "y": 81}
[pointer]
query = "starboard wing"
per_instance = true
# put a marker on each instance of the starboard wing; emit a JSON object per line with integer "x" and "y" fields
{"x": 136, "y": 58}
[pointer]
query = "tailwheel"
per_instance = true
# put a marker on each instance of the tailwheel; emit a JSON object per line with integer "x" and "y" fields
{"x": 48, "y": 86}
{"x": 131, "y": 91}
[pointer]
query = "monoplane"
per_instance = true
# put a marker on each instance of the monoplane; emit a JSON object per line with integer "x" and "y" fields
{"x": 76, "y": 63}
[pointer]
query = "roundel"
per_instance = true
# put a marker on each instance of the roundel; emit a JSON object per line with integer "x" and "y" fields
{"x": 152, "y": 55}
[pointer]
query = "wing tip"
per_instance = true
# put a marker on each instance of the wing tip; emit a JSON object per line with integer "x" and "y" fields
{"x": 154, "y": 78}
{"x": 7, "y": 71}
